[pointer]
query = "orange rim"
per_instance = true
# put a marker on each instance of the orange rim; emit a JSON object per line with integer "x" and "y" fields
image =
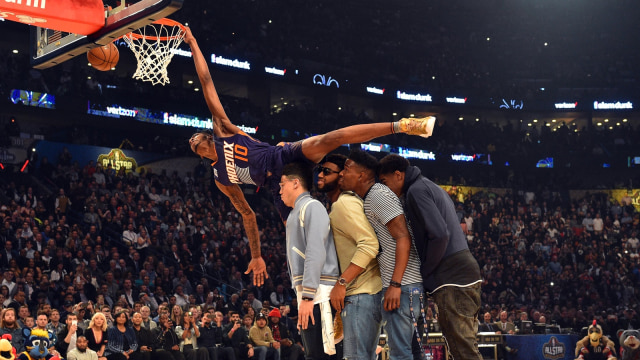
{"x": 163, "y": 21}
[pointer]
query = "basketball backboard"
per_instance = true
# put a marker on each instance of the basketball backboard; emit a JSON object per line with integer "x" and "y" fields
{"x": 51, "y": 47}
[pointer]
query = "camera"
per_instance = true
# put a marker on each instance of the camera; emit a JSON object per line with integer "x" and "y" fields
{"x": 190, "y": 313}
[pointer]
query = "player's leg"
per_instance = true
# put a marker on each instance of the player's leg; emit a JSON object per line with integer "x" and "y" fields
{"x": 316, "y": 147}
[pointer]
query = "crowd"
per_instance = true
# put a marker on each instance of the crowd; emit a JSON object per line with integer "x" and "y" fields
{"x": 103, "y": 240}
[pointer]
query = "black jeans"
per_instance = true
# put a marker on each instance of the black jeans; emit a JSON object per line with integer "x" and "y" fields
{"x": 312, "y": 338}
{"x": 221, "y": 353}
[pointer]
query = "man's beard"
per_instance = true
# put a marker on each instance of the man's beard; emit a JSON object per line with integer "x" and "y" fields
{"x": 328, "y": 187}
{"x": 82, "y": 350}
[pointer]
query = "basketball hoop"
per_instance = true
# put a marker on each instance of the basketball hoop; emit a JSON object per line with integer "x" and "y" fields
{"x": 154, "y": 45}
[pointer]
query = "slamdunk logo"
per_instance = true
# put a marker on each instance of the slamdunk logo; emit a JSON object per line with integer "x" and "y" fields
{"x": 553, "y": 349}
{"x": 117, "y": 160}
{"x": 232, "y": 152}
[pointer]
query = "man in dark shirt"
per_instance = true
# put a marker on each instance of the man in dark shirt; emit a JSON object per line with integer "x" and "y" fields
{"x": 68, "y": 337}
{"x": 211, "y": 338}
{"x": 449, "y": 271}
{"x": 144, "y": 338}
{"x": 237, "y": 336}
{"x": 289, "y": 349}
{"x": 167, "y": 338}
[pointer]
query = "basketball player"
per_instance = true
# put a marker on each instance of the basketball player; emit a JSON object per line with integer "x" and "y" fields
{"x": 240, "y": 159}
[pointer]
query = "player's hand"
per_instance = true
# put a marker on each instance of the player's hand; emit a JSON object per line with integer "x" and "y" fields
{"x": 392, "y": 298}
{"x": 337, "y": 297}
{"x": 188, "y": 36}
{"x": 259, "y": 269}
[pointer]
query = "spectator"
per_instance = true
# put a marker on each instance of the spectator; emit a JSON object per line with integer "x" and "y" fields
{"x": 211, "y": 338}
{"x": 121, "y": 339}
{"x": 69, "y": 335}
{"x": 144, "y": 338}
{"x": 236, "y": 335}
{"x": 81, "y": 351}
{"x": 288, "y": 348}
{"x": 96, "y": 334}
{"x": 260, "y": 336}
{"x": 9, "y": 325}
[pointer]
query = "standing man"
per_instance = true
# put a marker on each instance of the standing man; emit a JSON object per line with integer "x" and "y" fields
{"x": 450, "y": 272}
{"x": 240, "y": 159}
{"x": 398, "y": 260}
{"x": 312, "y": 259}
{"x": 358, "y": 291}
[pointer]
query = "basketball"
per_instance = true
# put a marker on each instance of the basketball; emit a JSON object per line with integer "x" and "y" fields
{"x": 104, "y": 58}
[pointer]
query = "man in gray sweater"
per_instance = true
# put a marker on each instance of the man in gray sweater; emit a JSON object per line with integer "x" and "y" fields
{"x": 312, "y": 259}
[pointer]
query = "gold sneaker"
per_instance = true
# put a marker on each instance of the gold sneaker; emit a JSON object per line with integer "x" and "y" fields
{"x": 418, "y": 126}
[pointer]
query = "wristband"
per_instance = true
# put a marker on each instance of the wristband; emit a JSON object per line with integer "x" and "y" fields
{"x": 394, "y": 284}
{"x": 304, "y": 298}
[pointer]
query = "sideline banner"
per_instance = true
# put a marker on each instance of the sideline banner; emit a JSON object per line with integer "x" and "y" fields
{"x": 542, "y": 347}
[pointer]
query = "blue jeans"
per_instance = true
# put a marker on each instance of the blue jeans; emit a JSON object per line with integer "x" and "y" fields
{"x": 260, "y": 352}
{"x": 398, "y": 324}
{"x": 361, "y": 321}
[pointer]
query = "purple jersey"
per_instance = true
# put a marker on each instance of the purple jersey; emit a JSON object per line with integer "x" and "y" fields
{"x": 242, "y": 160}
{"x": 245, "y": 160}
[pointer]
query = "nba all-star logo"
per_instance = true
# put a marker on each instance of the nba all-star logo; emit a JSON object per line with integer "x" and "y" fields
{"x": 117, "y": 159}
{"x": 553, "y": 349}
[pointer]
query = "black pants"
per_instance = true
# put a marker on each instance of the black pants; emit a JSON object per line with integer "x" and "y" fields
{"x": 195, "y": 354}
{"x": 161, "y": 354}
{"x": 221, "y": 353}
{"x": 312, "y": 339}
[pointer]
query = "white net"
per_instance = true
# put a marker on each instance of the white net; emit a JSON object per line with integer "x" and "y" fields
{"x": 154, "y": 45}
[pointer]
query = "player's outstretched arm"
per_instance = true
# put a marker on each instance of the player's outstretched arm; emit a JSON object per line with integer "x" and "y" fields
{"x": 208, "y": 88}
{"x": 257, "y": 264}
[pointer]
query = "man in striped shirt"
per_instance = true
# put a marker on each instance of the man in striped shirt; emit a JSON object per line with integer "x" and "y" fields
{"x": 398, "y": 260}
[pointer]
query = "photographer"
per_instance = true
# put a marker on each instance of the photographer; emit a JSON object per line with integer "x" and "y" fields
{"x": 236, "y": 335}
{"x": 167, "y": 339}
{"x": 189, "y": 333}
{"x": 211, "y": 338}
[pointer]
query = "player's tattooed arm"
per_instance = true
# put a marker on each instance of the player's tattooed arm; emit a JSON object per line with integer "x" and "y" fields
{"x": 257, "y": 264}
